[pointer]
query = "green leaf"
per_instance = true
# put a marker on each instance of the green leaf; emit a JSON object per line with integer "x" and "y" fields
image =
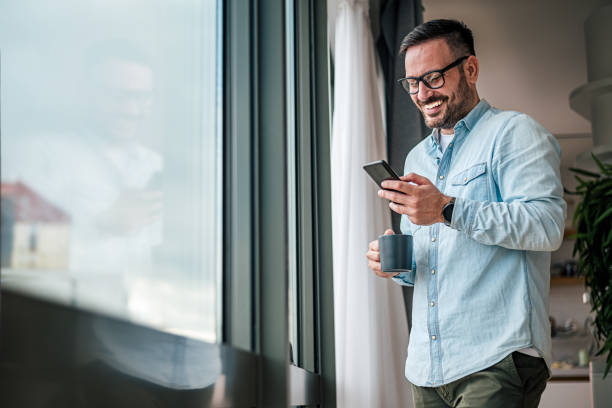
{"x": 585, "y": 172}
{"x": 602, "y": 186}
{"x": 566, "y": 191}
{"x": 603, "y": 216}
{"x": 577, "y": 213}
{"x": 599, "y": 163}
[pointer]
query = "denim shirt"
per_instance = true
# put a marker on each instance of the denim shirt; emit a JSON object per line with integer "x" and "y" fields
{"x": 481, "y": 285}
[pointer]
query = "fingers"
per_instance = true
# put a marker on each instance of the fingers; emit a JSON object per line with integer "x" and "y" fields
{"x": 409, "y": 209}
{"x": 415, "y": 178}
{"x": 375, "y": 266}
{"x": 374, "y": 259}
{"x": 373, "y": 256}
{"x": 404, "y": 183}
{"x": 413, "y": 214}
{"x": 373, "y": 245}
{"x": 155, "y": 211}
{"x": 400, "y": 209}
{"x": 394, "y": 196}
{"x": 399, "y": 185}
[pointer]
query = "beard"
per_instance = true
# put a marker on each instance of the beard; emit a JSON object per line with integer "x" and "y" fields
{"x": 458, "y": 105}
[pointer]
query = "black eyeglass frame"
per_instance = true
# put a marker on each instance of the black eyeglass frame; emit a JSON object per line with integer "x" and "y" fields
{"x": 440, "y": 71}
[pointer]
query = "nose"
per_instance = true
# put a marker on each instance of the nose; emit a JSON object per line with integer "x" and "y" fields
{"x": 136, "y": 106}
{"x": 424, "y": 91}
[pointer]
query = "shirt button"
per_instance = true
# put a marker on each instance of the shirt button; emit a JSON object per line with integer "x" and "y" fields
{"x": 441, "y": 177}
{"x": 464, "y": 179}
{"x": 433, "y": 271}
{"x": 433, "y": 239}
{"x": 433, "y": 337}
{"x": 432, "y": 304}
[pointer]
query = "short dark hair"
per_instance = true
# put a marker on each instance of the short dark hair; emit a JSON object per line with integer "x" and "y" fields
{"x": 457, "y": 35}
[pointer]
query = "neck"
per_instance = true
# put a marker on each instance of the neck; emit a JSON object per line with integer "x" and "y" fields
{"x": 471, "y": 105}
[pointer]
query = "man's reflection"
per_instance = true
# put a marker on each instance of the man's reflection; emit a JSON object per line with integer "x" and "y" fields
{"x": 104, "y": 172}
{"x": 121, "y": 89}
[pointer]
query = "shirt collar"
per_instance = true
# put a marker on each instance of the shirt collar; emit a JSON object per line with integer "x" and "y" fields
{"x": 469, "y": 121}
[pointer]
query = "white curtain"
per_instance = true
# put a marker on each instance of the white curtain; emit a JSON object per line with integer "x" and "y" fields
{"x": 371, "y": 327}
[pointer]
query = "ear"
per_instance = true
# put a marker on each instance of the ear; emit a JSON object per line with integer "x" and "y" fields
{"x": 470, "y": 68}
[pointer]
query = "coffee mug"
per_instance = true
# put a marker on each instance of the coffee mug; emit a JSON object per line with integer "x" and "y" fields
{"x": 395, "y": 253}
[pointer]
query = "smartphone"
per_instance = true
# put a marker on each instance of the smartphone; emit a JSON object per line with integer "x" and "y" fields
{"x": 380, "y": 171}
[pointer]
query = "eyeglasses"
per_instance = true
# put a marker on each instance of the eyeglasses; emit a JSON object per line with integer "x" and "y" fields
{"x": 431, "y": 79}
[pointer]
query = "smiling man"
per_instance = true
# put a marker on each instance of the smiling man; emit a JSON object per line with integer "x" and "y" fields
{"x": 482, "y": 198}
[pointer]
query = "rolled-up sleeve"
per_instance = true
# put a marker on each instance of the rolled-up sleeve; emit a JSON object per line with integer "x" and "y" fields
{"x": 530, "y": 213}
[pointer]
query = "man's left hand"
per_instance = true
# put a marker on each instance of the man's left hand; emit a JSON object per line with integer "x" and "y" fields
{"x": 415, "y": 196}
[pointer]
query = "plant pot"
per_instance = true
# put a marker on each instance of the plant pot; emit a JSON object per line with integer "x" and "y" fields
{"x": 601, "y": 389}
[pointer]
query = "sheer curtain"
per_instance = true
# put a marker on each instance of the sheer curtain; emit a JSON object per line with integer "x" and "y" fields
{"x": 371, "y": 328}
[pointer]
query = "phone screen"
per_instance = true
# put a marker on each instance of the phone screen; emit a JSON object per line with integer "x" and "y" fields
{"x": 380, "y": 171}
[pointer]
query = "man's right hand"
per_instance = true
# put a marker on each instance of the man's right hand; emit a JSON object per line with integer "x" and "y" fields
{"x": 373, "y": 256}
{"x": 133, "y": 210}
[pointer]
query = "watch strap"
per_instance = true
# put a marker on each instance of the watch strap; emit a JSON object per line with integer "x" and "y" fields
{"x": 447, "y": 211}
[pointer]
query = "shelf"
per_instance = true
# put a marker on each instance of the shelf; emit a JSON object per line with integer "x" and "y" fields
{"x": 566, "y": 280}
{"x": 580, "y": 98}
{"x": 570, "y": 374}
{"x": 585, "y": 161}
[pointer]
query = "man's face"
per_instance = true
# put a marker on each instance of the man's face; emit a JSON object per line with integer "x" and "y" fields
{"x": 123, "y": 96}
{"x": 445, "y": 106}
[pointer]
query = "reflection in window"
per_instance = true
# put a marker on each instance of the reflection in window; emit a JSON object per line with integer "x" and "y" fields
{"x": 110, "y": 164}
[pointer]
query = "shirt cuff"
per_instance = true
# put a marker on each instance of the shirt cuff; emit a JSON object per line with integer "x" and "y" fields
{"x": 405, "y": 278}
{"x": 463, "y": 214}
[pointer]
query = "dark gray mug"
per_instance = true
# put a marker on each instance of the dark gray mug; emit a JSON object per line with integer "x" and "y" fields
{"x": 395, "y": 253}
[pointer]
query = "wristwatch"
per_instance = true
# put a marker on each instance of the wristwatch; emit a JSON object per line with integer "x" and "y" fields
{"x": 447, "y": 212}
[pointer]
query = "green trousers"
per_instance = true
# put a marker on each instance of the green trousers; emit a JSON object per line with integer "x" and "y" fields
{"x": 516, "y": 381}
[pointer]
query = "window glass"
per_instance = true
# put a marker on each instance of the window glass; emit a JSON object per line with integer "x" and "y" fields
{"x": 111, "y": 157}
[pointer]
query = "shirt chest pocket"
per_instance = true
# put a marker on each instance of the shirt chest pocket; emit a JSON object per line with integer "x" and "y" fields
{"x": 471, "y": 183}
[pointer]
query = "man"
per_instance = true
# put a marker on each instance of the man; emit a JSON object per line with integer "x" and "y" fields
{"x": 482, "y": 198}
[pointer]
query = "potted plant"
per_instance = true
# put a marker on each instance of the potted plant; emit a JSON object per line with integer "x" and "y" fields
{"x": 593, "y": 221}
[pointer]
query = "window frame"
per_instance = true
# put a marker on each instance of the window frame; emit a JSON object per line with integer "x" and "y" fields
{"x": 255, "y": 235}
{"x": 254, "y": 342}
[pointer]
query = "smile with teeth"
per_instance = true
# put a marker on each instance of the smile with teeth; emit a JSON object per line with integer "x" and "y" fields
{"x": 433, "y": 105}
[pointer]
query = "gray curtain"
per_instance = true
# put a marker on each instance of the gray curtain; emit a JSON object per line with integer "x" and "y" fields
{"x": 405, "y": 125}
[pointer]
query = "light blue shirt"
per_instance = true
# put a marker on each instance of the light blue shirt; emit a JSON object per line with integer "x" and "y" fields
{"x": 481, "y": 285}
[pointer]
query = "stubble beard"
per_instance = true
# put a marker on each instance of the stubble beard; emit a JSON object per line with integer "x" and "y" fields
{"x": 458, "y": 106}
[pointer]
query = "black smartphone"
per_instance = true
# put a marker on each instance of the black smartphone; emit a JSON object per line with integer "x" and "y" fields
{"x": 380, "y": 171}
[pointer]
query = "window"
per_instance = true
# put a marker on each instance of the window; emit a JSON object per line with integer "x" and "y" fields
{"x": 164, "y": 162}
{"x": 111, "y": 158}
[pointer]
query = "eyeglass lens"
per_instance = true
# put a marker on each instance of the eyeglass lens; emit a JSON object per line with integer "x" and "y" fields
{"x": 433, "y": 80}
